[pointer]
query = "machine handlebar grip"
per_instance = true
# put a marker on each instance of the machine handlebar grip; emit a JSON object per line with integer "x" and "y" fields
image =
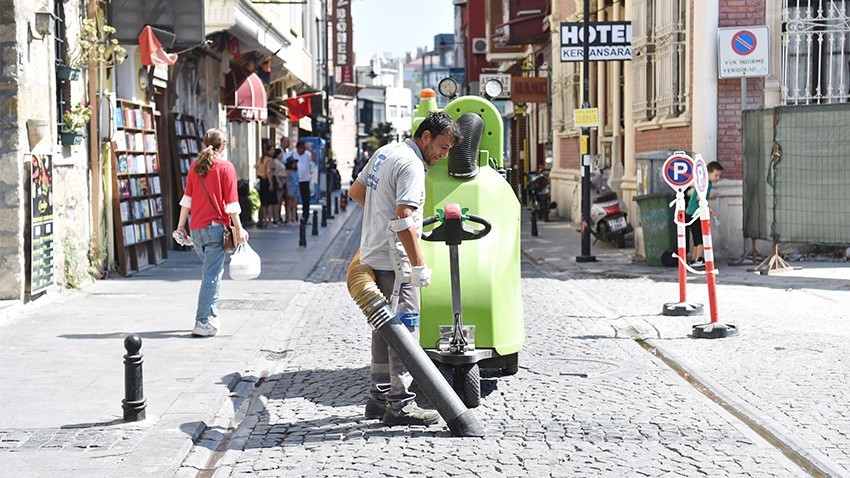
{"x": 478, "y": 234}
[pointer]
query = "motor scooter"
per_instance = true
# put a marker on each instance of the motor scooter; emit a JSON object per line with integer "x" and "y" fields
{"x": 540, "y": 192}
{"x": 607, "y": 211}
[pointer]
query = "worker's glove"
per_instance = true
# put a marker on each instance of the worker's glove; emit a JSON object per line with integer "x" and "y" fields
{"x": 420, "y": 276}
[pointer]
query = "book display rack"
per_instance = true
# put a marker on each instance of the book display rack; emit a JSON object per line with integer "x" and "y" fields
{"x": 141, "y": 239}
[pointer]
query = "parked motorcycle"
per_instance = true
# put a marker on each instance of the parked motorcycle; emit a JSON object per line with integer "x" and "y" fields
{"x": 540, "y": 192}
{"x": 607, "y": 212}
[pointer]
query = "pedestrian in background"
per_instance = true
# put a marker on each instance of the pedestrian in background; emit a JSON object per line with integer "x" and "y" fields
{"x": 212, "y": 183}
{"x": 715, "y": 170}
{"x": 292, "y": 190}
{"x": 266, "y": 186}
{"x": 391, "y": 189}
{"x": 280, "y": 186}
{"x": 305, "y": 161}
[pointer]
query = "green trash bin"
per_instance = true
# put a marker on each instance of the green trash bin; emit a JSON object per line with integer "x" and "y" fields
{"x": 659, "y": 230}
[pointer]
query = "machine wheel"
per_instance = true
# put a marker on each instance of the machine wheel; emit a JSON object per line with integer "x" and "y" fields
{"x": 448, "y": 373}
{"x": 512, "y": 364}
{"x": 471, "y": 385}
{"x": 621, "y": 241}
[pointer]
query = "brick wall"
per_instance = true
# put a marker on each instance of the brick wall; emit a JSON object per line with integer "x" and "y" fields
{"x": 736, "y": 13}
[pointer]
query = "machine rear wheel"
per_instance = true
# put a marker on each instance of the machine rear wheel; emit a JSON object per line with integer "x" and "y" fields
{"x": 448, "y": 373}
{"x": 512, "y": 364}
{"x": 471, "y": 395}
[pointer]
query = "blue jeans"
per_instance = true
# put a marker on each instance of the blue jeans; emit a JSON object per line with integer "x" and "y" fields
{"x": 209, "y": 245}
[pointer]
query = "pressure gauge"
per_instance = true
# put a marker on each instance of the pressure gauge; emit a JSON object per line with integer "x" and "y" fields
{"x": 493, "y": 88}
{"x": 448, "y": 87}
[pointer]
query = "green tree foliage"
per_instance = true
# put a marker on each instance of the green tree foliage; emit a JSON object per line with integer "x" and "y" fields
{"x": 382, "y": 133}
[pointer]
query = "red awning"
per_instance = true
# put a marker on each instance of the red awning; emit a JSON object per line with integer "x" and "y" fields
{"x": 245, "y": 96}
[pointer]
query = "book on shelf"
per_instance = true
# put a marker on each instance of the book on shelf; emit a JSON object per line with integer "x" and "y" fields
{"x": 124, "y": 188}
{"x": 119, "y": 117}
{"x": 140, "y": 122}
{"x": 193, "y": 146}
{"x": 129, "y": 117}
{"x": 148, "y": 230}
{"x": 143, "y": 186}
{"x": 148, "y": 119}
{"x": 152, "y": 163}
{"x": 136, "y": 164}
{"x": 134, "y": 186}
{"x": 156, "y": 207}
{"x": 124, "y": 206}
{"x": 150, "y": 142}
{"x": 120, "y": 141}
{"x": 155, "y": 189}
{"x": 192, "y": 130}
{"x": 122, "y": 164}
{"x": 129, "y": 234}
{"x": 139, "y": 141}
{"x": 178, "y": 127}
{"x": 158, "y": 229}
{"x": 183, "y": 182}
{"x": 130, "y": 141}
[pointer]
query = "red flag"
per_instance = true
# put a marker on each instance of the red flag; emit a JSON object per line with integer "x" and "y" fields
{"x": 152, "y": 52}
{"x": 299, "y": 106}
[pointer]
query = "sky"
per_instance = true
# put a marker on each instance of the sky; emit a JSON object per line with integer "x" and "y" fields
{"x": 398, "y": 26}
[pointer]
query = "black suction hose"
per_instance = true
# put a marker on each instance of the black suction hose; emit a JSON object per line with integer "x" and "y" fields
{"x": 463, "y": 157}
{"x": 363, "y": 289}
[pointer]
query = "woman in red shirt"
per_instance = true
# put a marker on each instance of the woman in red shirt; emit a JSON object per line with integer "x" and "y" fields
{"x": 212, "y": 199}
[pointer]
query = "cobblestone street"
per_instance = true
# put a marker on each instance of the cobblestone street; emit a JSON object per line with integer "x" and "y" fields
{"x": 588, "y": 401}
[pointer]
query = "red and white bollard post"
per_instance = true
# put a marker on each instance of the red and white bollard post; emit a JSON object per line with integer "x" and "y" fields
{"x": 683, "y": 307}
{"x": 678, "y": 172}
{"x": 713, "y": 329}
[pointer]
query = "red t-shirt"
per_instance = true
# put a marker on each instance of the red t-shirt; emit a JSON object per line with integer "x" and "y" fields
{"x": 221, "y": 184}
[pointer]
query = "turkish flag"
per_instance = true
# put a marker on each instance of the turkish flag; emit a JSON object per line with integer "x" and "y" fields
{"x": 299, "y": 106}
{"x": 152, "y": 52}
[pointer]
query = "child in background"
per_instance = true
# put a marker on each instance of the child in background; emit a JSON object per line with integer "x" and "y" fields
{"x": 715, "y": 170}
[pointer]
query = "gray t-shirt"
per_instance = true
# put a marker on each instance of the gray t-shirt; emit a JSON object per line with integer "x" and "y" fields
{"x": 394, "y": 176}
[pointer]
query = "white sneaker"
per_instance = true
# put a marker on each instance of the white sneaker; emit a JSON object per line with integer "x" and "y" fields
{"x": 204, "y": 329}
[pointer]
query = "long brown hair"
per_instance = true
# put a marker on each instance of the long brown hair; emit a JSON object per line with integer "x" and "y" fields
{"x": 213, "y": 140}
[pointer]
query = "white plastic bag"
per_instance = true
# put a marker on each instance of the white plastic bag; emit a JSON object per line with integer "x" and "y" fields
{"x": 244, "y": 263}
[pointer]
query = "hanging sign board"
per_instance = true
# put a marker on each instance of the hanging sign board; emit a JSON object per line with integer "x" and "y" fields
{"x": 608, "y": 41}
{"x": 586, "y": 118}
{"x": 743, "y": 52}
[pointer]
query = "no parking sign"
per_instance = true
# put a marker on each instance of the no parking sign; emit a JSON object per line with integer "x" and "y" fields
{"x": 678, "y": 171}
{"x": 700, "y": 177}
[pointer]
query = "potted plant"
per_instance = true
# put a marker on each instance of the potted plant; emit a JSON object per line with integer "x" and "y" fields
{"x": 76, "y": 120}
{"x": 95, "y": 46}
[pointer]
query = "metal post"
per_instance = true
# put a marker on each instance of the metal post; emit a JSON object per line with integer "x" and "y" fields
{"x": 585, "y": 153}
{"x": 534, "y": 224}
{"x": 134, "y": 399}
{"x": 302, "y": 233}
{"x": 315, "y": 223}
{"x": 325, "y": 208}
{"x": 343, "y": 199}
{"x": 336, "y": 204}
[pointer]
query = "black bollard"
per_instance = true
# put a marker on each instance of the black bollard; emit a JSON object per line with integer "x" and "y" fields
{"x": 533, "y": 223}
{"x": 336, "y": 205}
{"x": 343, "y": 201}
{"x": 302, "y": 233}
{"x": 134, "y": 401}
{"x": 325, "y": 208}
{"x": 315, "y": 223}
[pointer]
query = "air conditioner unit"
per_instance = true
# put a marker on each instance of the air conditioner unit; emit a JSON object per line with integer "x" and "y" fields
{"x": 479, "y": 46}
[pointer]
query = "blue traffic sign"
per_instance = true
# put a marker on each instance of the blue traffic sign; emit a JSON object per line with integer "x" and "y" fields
{"x": 744, "y": 42}
{"x": 678, "y": 171}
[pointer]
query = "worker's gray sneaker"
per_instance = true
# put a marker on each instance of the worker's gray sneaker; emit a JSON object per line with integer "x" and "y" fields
{"x": 410, "y": 414}
{"x": 375, "y": 408}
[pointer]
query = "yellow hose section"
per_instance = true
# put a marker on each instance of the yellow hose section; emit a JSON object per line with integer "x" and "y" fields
{"x": 364, "y": 290}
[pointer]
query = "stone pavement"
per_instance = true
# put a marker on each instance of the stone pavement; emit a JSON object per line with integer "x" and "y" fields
{"x": 281, "y": 391}
{"x": 62, "y": 366}
{"x": 588, "y": 400}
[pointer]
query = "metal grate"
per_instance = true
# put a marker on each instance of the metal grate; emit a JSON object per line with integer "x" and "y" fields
{"x": 815, "y": 51}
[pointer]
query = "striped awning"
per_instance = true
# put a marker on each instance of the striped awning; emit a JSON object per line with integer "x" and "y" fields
{"x": 245, "y": 96}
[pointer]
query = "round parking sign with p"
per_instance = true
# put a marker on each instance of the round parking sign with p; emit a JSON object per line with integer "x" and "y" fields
{"x": 678, "y": 171}
{"x": 700, "y": 177}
